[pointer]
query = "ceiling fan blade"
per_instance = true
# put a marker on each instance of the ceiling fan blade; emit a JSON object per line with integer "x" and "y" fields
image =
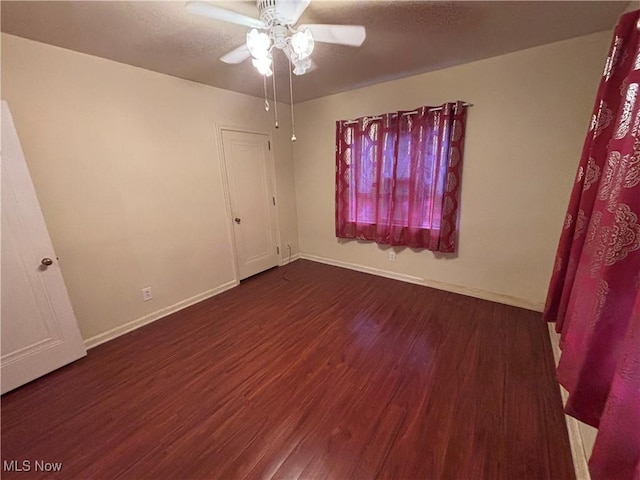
{"x": 237, "y": 55}
{"x": 290, "y": 11}
{"x": 352, "y": 35}
{"x": 211, "y": 11}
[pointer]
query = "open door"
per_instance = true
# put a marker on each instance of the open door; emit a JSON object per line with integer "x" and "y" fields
{"x": 39, "y": 329}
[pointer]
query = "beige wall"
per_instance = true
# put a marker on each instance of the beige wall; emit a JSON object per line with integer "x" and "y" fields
{"x": 126, "y": 166}
{"x": 634, "y": 5}
{"x": 524, "y": 137}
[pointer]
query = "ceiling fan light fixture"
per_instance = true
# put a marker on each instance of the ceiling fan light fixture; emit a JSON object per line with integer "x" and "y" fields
{"x": 263, "y": 65}
{"x": 277, "y": 28}
{"x": 258, "y": 44}
{"x": 302, "y": 43}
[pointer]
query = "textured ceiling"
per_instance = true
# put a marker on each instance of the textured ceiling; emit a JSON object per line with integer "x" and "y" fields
{"x": 403, "y": 38}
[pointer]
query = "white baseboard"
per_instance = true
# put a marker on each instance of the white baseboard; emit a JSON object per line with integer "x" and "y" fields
{"x": 471, "y": 292}
{"x": 578, "y": 450}
{"x": 158, "y": 314}
{"x": 286, "y": 260}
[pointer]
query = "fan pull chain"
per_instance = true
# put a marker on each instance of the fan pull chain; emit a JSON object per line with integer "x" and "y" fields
{"x": 266, "y": 100}
{"x": 275, "y": 102}
{"x": 293, "y": 123}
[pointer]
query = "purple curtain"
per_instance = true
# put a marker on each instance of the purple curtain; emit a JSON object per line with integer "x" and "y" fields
{"x": 398, "y": 177}
{"x": 594, "y": 292}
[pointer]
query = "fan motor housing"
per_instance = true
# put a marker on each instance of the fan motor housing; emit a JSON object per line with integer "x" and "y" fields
{"x": 268, "y": 14}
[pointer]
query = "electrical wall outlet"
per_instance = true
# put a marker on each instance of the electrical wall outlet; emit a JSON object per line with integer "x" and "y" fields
{"x": 392, "y": 256}
{"x": 146, "y": 294}
{"x": 289, "y": 246}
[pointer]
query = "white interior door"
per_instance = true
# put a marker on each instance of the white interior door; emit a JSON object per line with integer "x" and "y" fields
{"x": 251, "y": 193}
{"x": 39, "y": 330}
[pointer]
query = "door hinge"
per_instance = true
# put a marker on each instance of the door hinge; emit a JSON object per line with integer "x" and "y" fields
{"x": 278, "y": 250}
{"x": 274, "y": 200}
{"x": 269, "y": 144}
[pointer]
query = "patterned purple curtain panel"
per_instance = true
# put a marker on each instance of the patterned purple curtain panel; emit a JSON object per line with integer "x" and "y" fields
{"x": 594, "y": 292}
{"x": 398, "y": 177}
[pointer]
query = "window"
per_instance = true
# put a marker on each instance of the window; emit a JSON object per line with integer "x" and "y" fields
{"x": 398, "y": 177}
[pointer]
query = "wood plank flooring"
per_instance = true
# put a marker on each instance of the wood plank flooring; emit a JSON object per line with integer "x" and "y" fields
{"x": 323, "y": 374}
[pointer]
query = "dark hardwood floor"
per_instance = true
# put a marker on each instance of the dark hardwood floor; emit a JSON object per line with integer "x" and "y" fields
{"x": 334, "y": 374}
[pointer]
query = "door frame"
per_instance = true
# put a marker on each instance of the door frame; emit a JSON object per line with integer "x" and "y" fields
{"x": 271, "y": 168}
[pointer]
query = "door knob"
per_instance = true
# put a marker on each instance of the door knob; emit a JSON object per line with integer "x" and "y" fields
{"x": 46, "y": 262}
{"x": 237, "y": 220}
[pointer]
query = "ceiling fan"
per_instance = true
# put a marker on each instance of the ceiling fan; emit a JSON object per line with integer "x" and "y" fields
{"x": 276, "y": 29}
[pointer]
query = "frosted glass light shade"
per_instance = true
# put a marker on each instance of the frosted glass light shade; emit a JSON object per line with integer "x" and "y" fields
{"x": 302, "y": 43}
{"x": 302, "y": 66}
{"x": 258, "y": 44}
{"x": 263, "y": 65}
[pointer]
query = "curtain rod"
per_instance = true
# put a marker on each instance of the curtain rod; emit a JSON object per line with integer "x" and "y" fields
{"x": 349, "y": 122}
